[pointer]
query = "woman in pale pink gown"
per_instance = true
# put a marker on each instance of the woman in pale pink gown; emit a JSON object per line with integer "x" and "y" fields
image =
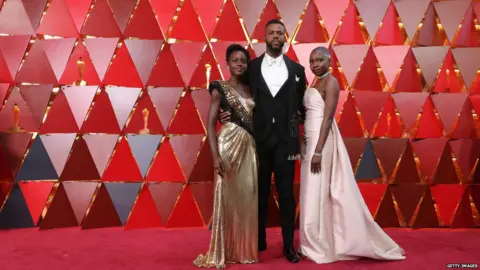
{"x": 335, "y": 223}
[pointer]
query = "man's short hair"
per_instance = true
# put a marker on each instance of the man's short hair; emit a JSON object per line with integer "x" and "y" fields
{"x": 274, "y": 21}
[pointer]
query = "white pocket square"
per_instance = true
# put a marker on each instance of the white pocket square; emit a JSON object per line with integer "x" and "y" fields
{"x": 297, "y": 78}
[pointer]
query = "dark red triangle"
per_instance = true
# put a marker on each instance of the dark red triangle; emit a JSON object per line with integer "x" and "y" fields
{"x": 465, "y": 127}
{"x": 389, "y": 124}
{"x": 389, "y": 32}
{"x": 409, "y": 105}
{"x": 349, "y": 123}
{"x": 80, "y": 164}
{"x": 101, "y": 22}
{"x": 311, "y": 31}
{"x": 59, "y": 118}
{"x": 71, "y": 73}
{"x": 12, "y": 151}
{"x": 143, "y": 24}
{"x": 165, "y": 73}
{"x": 204, "y": 194}
{"x": 355, "y": 148}
{"x": 430, "y": 34}
{"x": 136, "y": 122}
{"x": 409, "y": 80}
{"x": 36, "y": 195}
{"x": 186, "y": 119}
{"x": 463, "y": 215}
{"x": 429, "y": 126}
{"x": 186, "y": 149}
{"x": 228, "y": 27}
{"x": 201, "y": 98}
{"x": 5, "y": 76}
{"x": 446, "y": 172}
{"x": 144, "y": 213}
{"x": 350, "y": 31}
{"x": 185, "y": 213}
{"x": 466, "y": 152}
{"x": 370, "y": 104}
{"x": 4, "y": 191}
{"x": 102, "y": 213}
{"x": 426, "y": 216}
{"x": 447, "y": 79}
{"x": 122, "y": 71}
{"x": 58, "y": 21}
{"x": 203, "y": 169}
{"x": 407, "y": 169}
{"x": 407, "y": 197}
{"x": 467, "y": 35}
{"x": 447, "y": 198}
{"x": 389, "y": 152}
{"x": 269, "y": 12}
{"x": 60, "y": 213}
{"x": 165, "y": 166}
{"x": 199, "y": 77}
{"x": 123, "y": 166}
{"x": 187, "y": 25}
{"x": 36, "y": 68}
{"x": 165, "y": 196}
{"x": 101, "y": 118}
{"x": 429, "y": 152}
{"x": 368, "y": 78}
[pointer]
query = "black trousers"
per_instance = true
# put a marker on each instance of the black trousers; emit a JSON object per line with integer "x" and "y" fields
{"x": 273, "y": 158}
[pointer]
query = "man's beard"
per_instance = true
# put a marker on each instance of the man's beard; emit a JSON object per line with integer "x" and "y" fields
{"x": 278, "y": 50}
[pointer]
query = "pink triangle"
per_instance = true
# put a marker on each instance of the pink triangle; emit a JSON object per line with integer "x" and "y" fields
{"x": 303, "y": 54}
{"x": 123, "y": 99}
{"x": 14, "y": 19}
{"x": 144, "y": 54}
{"x": 250, "y": 11}
{"x": 372, "y": 13}
{"x": 409, "y": 105}
{"x": 37, "y": 97}
{"x": 165, "y": 101}
{"x": 58, "y": 51}
{"x": 429, "y": 60}
{"x": 122, "y": 9}
{"x": 187, "y": 55}
{"x": 80, "y": 195}
{"x": 58, "y": 147}
{"x": 290, "y": 11}
{"x": 351, "y": 58}
{"x": 331, "y": 13}
{"x": 101, "y": 148}
{"x": 186, "y": 148}
{"x": 36, "y": 68}
{"x": 411, "y": 13}
{"x": 390, "y": 59}
{"x": 26, "y": 119}
{"x": 80, "y": 98}
{"x": 468, "y": 61}
{"x": 451, "y": 14}
{"x": 13, "y": 48}
{"x": 101, "y": 51}
{"x": 448, "y": 106}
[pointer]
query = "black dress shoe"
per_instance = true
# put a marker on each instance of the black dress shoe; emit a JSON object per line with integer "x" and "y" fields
{"x": 291, "y": 255}
{"x": 262, "y": 246}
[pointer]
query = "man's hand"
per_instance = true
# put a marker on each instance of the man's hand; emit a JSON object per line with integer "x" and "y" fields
{"x": 224, "y": 117}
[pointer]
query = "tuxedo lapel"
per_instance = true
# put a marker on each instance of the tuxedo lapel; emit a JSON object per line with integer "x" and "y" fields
{"x": 262, "y": 83}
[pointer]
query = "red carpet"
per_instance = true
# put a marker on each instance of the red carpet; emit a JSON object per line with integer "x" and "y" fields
{"x": 175, "y": 249}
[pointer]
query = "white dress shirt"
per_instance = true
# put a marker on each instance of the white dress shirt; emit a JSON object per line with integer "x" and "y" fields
{"x": 275, "y": 73}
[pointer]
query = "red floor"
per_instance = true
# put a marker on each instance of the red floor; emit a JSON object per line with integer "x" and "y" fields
{"x": 175, "y": 249}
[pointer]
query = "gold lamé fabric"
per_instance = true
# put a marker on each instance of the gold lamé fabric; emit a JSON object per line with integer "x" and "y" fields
{"x": 234, "y": 235}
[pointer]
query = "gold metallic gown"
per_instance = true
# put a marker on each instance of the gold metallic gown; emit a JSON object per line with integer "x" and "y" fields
{"x": 234, "y": 236}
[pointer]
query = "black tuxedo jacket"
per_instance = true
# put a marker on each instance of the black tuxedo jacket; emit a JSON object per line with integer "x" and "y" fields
{"x": 285, "y": 107}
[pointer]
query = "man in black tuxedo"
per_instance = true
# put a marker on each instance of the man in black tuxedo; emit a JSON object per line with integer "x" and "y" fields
{"x": 278, "y": 85}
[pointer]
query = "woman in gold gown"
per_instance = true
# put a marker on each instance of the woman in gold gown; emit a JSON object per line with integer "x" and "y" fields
{"x": 235, "y": 214}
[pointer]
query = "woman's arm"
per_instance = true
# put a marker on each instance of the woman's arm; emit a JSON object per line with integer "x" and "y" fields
{"x": 213, "y": 112}
{"x": 332, "y": 92}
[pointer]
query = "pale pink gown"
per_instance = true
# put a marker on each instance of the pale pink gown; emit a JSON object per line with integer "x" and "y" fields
{"x": 335, "y": 223}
